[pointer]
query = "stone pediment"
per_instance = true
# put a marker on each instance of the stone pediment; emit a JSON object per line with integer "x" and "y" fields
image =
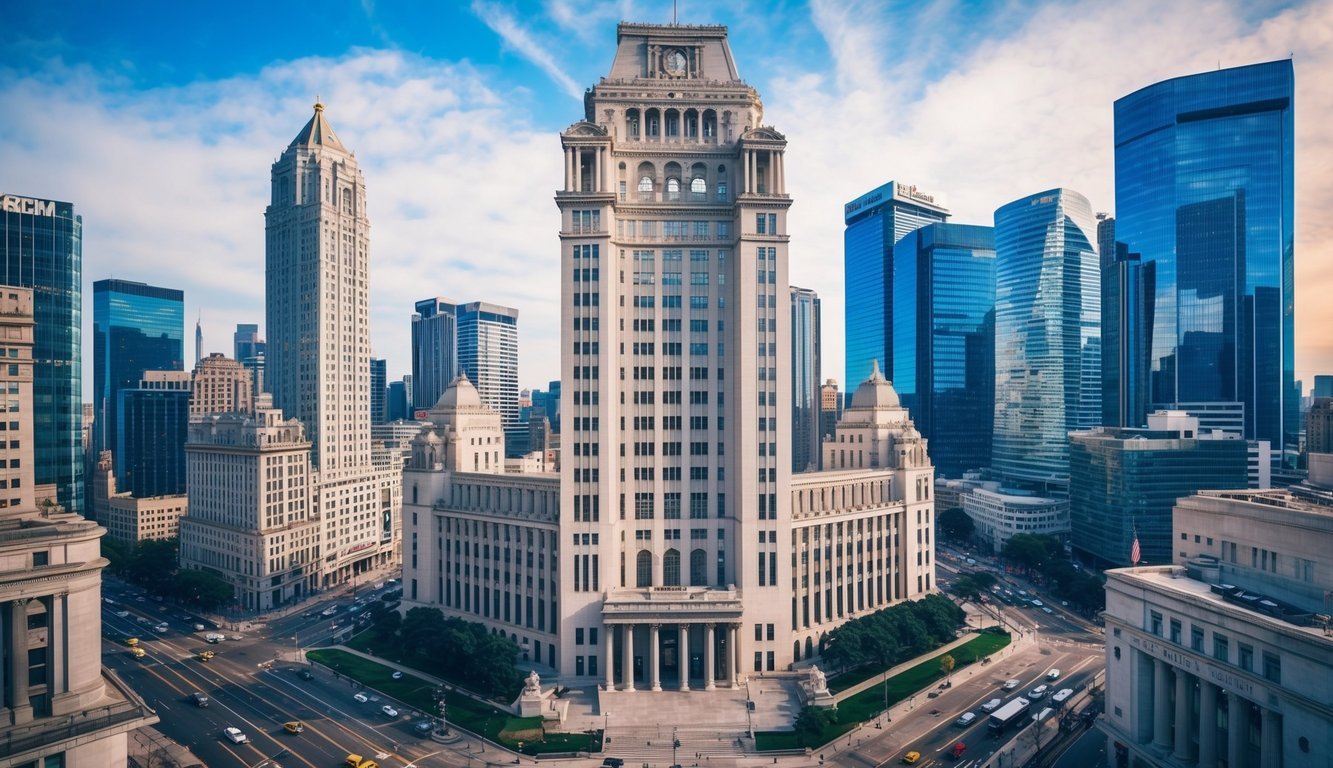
{"x": 585, "y": 128}
{"x": 763, "y": 133}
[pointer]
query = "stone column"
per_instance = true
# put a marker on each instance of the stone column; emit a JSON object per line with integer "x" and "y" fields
{"x": 1161, "y": 703}
{"x": 1184, "y": 746}
{"x": 629, "y": 657}
{"x": 569, "y": 169}
{"x": 1237, "y": 725}
{"x": 709, "y": 645}
{"x": 610, "y": 657}
{"x": 735, "y": 670}
{"x": 1271, "y": 740}
{"x": 596, "y": 170}
{"x": 745, "y": 185}
{"x": 1207, "y": 724}
{"x": 684, "y": 651}
{"x": 653, "y": 639}
{"x": 18, "y": 660}
{"x": 56, "y": 645}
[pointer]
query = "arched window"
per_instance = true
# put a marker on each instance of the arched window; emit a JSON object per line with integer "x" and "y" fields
{"x": 632, "y": 123}
{"x": 673, "y": 189}
{"x": 698, "y": 568}
{"x": 672, "y": 123}
{"x": 809, "y": 648}
{"x": 671, "y": 568}
{"x": 796, "y": 650}
{"x": 643, "y": 570}
{"x": 645, "y": 183}
{"x": 698, "y": 186}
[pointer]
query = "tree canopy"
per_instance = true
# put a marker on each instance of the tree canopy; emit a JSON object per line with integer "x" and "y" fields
{"x": 954, "y": 523}
{"x": 894, "y": 634}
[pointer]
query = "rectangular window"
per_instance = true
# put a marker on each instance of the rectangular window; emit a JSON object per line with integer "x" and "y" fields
{"x": 1221, "y": 647}
{"x": 1154, "y": 618}
{"x": 1272, "y": 667}
{"x": 1175, "y": 631}
{"x": 1196, "y": 638}
{"x": 1245, "y": 657}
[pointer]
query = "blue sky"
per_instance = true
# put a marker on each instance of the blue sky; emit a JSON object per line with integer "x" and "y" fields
{"x": 159, "y": 121}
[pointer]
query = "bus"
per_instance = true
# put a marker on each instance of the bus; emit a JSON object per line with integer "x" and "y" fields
{"x": 1007, "y": 715}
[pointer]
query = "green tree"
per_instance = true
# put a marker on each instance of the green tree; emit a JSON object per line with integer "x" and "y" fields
{"x": 947, "y": 663}
{"x": 154, "y": 564}
{"x": 203, "y": 588}
{"x": 421, "y": 630}
{"x": 813, "y": 720}
{"x": 953, "y": 523}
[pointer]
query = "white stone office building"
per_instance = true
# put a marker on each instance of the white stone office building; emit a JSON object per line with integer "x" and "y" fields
{"x": 318, "y": 371}
{"x": 1225, "y": 657}
{"x": 58, "y": 705}
{"x": 670, "y": 562}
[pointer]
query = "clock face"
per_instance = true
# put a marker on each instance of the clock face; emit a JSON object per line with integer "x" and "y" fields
{"x": 675, "y": 63}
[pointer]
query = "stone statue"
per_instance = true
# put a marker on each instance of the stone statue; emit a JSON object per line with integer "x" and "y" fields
{"x": 818, "y": 682}
{"x": 532, "y": 684}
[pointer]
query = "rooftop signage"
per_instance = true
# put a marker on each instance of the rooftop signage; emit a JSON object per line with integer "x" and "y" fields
{"x": 29, "y": 205}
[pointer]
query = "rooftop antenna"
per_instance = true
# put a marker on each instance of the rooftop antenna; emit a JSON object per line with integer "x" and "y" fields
{"x": 674, "y": 23}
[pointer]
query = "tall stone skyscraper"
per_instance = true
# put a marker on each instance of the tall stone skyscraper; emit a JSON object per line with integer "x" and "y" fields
{"x": 318, "y": 351}
{"x": 318, "y": 295}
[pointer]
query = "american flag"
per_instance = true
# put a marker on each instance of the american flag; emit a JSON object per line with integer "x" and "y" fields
{"x": 1135, "y": 554}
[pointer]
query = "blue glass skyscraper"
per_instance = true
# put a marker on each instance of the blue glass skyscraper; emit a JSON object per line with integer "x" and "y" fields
{"x": 1047, "y": 335}
{"x": 876, "y": 221}
{"x": 136, "y": 328}
{"x": 944, "y": 340}
{"x": 1204, "y": 194}
{"x": 41, "y": 242}
{"x": 805, "y": 381}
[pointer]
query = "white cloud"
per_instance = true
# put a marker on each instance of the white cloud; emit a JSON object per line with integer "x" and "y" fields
{"x": 525, "y": 43}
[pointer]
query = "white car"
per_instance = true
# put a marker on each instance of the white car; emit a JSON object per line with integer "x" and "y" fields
{"x": 234, "y": 735}
{"x": 1054, "y": 674}
{"x": 992, "y": 705}
{"x": 1009, "y": 685}
{"x": 388, "y": 710}
{"x": 397, "y": 675}
{"x": 1059, "y": 696}
{"x": 1038, "y": 692}
{"x": 122, "y": 614}
{"x": 966, "y": 719}
{"x": 361, "y": 698}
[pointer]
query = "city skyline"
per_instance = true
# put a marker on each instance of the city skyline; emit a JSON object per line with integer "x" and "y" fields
{"x": 437, "y": 116}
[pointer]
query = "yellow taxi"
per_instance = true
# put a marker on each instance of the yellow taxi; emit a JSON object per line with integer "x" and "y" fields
{"x": 137, "y": 653}
{"x": 911, "y": 757}
{"x": 295, "y": 726}
{"x": 206, "y": 655}
{"x": 132, "y": 641}
{"x": 356, "y": 761}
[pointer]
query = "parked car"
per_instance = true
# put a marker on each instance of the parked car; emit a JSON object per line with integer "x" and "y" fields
{"x": 234, "y": 735}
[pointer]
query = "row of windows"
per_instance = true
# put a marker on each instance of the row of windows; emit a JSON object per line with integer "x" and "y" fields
{"x": 1221, "y": 648}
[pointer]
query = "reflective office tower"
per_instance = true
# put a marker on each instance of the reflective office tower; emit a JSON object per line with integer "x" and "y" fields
{"x": 488, "y": 354}
{"x": 249, "y": 351}
{"x": 1323, "y": 386}
{"x": 1124, "y": 377}
{"x": 805, "y": 403}
{"x": 136, "y": 327}
{"x": 58, "y": 707}
{"x": 1204, "y": 194}
{"x": 434, "y": 348}
{"x": 398, "y": 399}
{"x": 1047, "y": 336}
{"x": 944, "y": 340}
{"x": 378, "y": 390}
{"x": 1124, "y": 481}
{"x": 876, "y": 221}
{"x": 42, "y": 242}
{"x": 154, "y": 417}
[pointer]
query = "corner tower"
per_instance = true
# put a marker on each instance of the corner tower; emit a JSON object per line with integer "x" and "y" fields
{"x": 676, "y": 351}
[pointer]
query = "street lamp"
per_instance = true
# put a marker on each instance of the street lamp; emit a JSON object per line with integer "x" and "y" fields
{"x": 606, "y": 726}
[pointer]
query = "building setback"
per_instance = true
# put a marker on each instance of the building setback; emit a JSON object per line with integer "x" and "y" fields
{"x": 680, "y": 526}
{"x": 42, "y": 244}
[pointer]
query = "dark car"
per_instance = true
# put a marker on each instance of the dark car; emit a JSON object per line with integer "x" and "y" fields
{"x": 307, "y": 675}
{"x": 424, "y": 727}
{"x": 613, "y": 762}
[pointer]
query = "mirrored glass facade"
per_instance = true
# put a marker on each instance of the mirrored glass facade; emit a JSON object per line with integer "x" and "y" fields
{"x": 42, "y": 242}
{"x": 136, "y": 328}
{"x": 1047, "y": 335}
{"x": 805, "y": 381}
{"x": 1204, "y": 195}
{"x": 875, "y": 222}
{"x": 488, "y": 355}
{"x": 154, "y": 421}
{"x": 944, "y": 340}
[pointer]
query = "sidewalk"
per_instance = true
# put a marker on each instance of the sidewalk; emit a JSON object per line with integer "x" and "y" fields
{"x": 363, "y": 580}
{"x": 149, "y": 747}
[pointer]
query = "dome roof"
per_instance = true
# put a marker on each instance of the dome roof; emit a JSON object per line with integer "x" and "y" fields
{"x": 459, "y": 394}
{"x": 875, "y": 392}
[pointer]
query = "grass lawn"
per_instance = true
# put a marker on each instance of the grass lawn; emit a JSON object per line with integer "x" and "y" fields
{"x": 495, "y": 724}
{"x": 869, "y": 703}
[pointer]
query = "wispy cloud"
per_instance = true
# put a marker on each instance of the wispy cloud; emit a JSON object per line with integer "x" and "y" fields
{"x": 525, "y": 44}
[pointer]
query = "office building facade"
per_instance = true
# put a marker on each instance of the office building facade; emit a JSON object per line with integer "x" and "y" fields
{"x": 806, "y": 451}
{"x": 378, "y": 390}
{"x": 154, "y": 419}
{"x": 58, "y": 705}
{"x": 944, "y": 340}
{"x": 1224, "y": 654}
{"x": 1124, "y": 482}
{"x": 1047, "y": 336}
{"x": 246, "y": 342}
{"x": 1204, "y": 168}
{"x": 136, "y": 327}
{"x": 42, "y": 242}
{"x": 434, "y": 348}
{"x": 488, "y": 355}
{"x": 220, "y": 385}
{"x": 875, "y": 222}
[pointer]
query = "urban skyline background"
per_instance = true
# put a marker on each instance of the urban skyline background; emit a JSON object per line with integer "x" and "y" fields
{"x": 455, "y": 113}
